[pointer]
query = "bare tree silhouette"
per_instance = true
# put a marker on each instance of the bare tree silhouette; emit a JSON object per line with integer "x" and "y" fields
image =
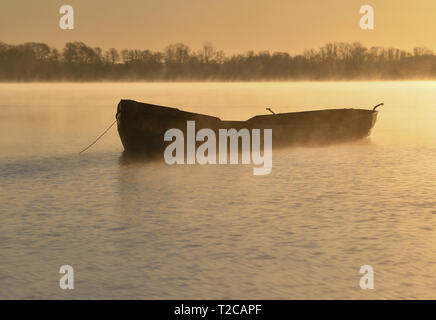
{"x": 336, "y": 60}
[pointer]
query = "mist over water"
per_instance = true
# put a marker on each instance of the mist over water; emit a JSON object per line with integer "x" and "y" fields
{"x": 137, "y": 229}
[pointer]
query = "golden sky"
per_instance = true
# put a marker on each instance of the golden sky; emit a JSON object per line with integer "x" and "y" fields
{"x": 231, "y": 25}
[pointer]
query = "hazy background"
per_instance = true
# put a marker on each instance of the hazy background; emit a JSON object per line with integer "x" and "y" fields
{"x": 233, "y": 26}
{"x": 137, "y": 229}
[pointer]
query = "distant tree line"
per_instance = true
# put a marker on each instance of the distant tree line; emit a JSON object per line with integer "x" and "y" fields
{"x": 78, "y": 62}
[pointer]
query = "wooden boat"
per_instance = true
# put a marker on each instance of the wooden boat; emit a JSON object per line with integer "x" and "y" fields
{"x": 142, "y": 126}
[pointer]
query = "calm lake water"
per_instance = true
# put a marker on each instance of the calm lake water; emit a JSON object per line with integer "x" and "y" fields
{"x": 149, "y": 230}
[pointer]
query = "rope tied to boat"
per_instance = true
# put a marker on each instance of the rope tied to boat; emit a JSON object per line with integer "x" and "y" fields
{"x": 100, "y": 136}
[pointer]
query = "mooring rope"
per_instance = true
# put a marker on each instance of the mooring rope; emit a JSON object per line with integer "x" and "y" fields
{"x": 99, "y": 137}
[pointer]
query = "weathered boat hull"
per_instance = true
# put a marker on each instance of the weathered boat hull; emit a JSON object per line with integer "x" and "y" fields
{"x": 142, "y": 126}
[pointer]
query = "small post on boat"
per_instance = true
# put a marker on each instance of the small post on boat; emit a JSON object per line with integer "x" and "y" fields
{"x": 269, "y": 109}
{"x": 380, "y": 104}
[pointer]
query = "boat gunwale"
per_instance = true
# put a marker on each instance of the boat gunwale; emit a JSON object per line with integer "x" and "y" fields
{"x": 253, "y": 117}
